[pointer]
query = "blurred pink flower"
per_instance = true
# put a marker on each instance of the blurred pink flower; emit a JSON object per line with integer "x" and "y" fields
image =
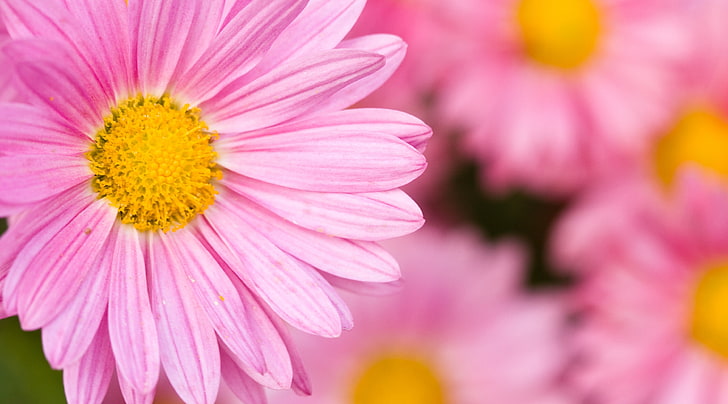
{"x": 689, "y": 147}
{"x": 653, "y": 327}
{"x": 460, "y": 331}
{"x": 185, "y": 177}
{"x": 557, "y": 93}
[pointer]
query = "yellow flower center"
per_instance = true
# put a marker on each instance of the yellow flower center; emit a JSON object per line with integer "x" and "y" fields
{"x": 699, "y": 137}
{"x": 709, "y": 320}
{"x": 154, "y": 161}
{"x": 398, "y": 380}
{"x": 559, "y": 33}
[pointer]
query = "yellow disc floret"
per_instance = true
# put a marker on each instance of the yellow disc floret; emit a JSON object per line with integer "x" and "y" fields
{"x": 700, "y": 137}
{"x": 559, "y": 33}
{"x": 154, "y": 161}
{"x": 395, "y": 379}
{"x": 709, "y": 317}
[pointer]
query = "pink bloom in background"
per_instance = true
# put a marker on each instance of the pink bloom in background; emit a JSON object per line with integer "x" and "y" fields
{"x": 183, "y": 178}
{"x": 653, "y": 327}
{"x": 556, "y": 93}
{"x": 460, "y": 331}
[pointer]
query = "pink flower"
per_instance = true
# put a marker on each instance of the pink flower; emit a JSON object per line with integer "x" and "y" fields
{"x": 182, "y": 178}
{"x": 552, "y": 109}
{"x": 459, "y": 331}
{"x": 653, "y": 327}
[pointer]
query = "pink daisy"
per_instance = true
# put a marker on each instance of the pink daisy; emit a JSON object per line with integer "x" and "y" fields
{"x": 654, "y": 328}
{"x": 460, "y": 331}
{"x": 691, "y": 146}
{"x": 556, "y": 93}
{"x": 182, "y": 178}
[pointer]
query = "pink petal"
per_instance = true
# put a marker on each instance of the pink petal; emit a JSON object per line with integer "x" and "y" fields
{"x": 270, "y": 273}
{"x": 30, "y": 130}
{"x": 131, "y": 324}
{"x": 279, "y": 371}
{"x": 244, "y": 388}
{"x": 169, "y": 38}
{"x": 96, "y": 23}
{"x": 57, "y": 272}
{"x": 391, "y": 47}
{"x": 87, "y": 380}
{"x": 131, "y": 394}
{"x": 365, "y": 216}
{"x": 287, "y": 91}
{"x": 218, "y": 298}
{"x": 368, "y": 120}
{"x": 327, "y": 160}
{"x": 68, "y": 336}
{"x": 365, "y": 288}
{"x": 188, "y": 346}
{"x": 321, "y": 26}
{"x": 31, "y": 230}
{"x": 359, "y": 260}
{"x": 238, "y": 47}
{"x": 25, "y": 179}
{"x": 61, "y": 89}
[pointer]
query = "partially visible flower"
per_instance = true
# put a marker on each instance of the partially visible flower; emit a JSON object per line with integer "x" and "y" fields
{"x": 653, "y": 326}
{"x": 183, "y": 178}
{"x": 460, "y": 331}
{"x": 557, "y": 93}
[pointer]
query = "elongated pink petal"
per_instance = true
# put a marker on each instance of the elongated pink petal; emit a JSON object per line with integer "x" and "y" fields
{"x": 218, "y": 298}
{"x": 239, "y": 47}
{"x": 167, "y": 38}
{"x": 68, "y": 336}
{"x": 188, "y": 345}
{"x": 86, "y": 381}
{"x": 133, "y": 395}
{"x": 365, "y": 288}
{"x": 244, "y": 388}
{"x": 57, "y": 272}
{"x": 361, "y": 120}
{"x": 131, "y": 323}
{"x": 61, "y": 90}
{"x": 272, "y": 274}
{"x": 279, "y": 371}
{"x": 366, "y": 216}
{"x": 359, "y": 260}
{"x": 391, "y": 47}
{"x": 29, "y": 130}
{"x": 321, "y": 25}
{"x": 31, "y": 230}
{"x": 327, "y": 160}
{"x": 97, "y": 22}
{"x": 26, "y": 179}
{"x": 288, "y": 91}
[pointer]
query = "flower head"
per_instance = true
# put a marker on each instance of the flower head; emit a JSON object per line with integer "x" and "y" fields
{"x": 459, "y": 331}
{"x": 556, "y": 93}
{"x": 184, "y": 177}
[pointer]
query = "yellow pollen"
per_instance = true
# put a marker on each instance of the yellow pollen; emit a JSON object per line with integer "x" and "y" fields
{"x": 559, "y": 33}
{"x": 709, "y": 317}
{"x": 154, "y": 161}
{"x": 699, "y": 137}
{"x": 395, "y": 379}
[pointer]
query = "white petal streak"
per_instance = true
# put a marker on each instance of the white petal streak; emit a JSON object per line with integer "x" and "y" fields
{"x": 288, "y": 91}
{"x": 363, "y": 216}
{"x": 131, "y": 323}
{"x": 188, "y": 345}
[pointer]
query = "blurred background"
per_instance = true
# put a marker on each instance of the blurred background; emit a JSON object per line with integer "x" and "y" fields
{"x": 576, "y": 245}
